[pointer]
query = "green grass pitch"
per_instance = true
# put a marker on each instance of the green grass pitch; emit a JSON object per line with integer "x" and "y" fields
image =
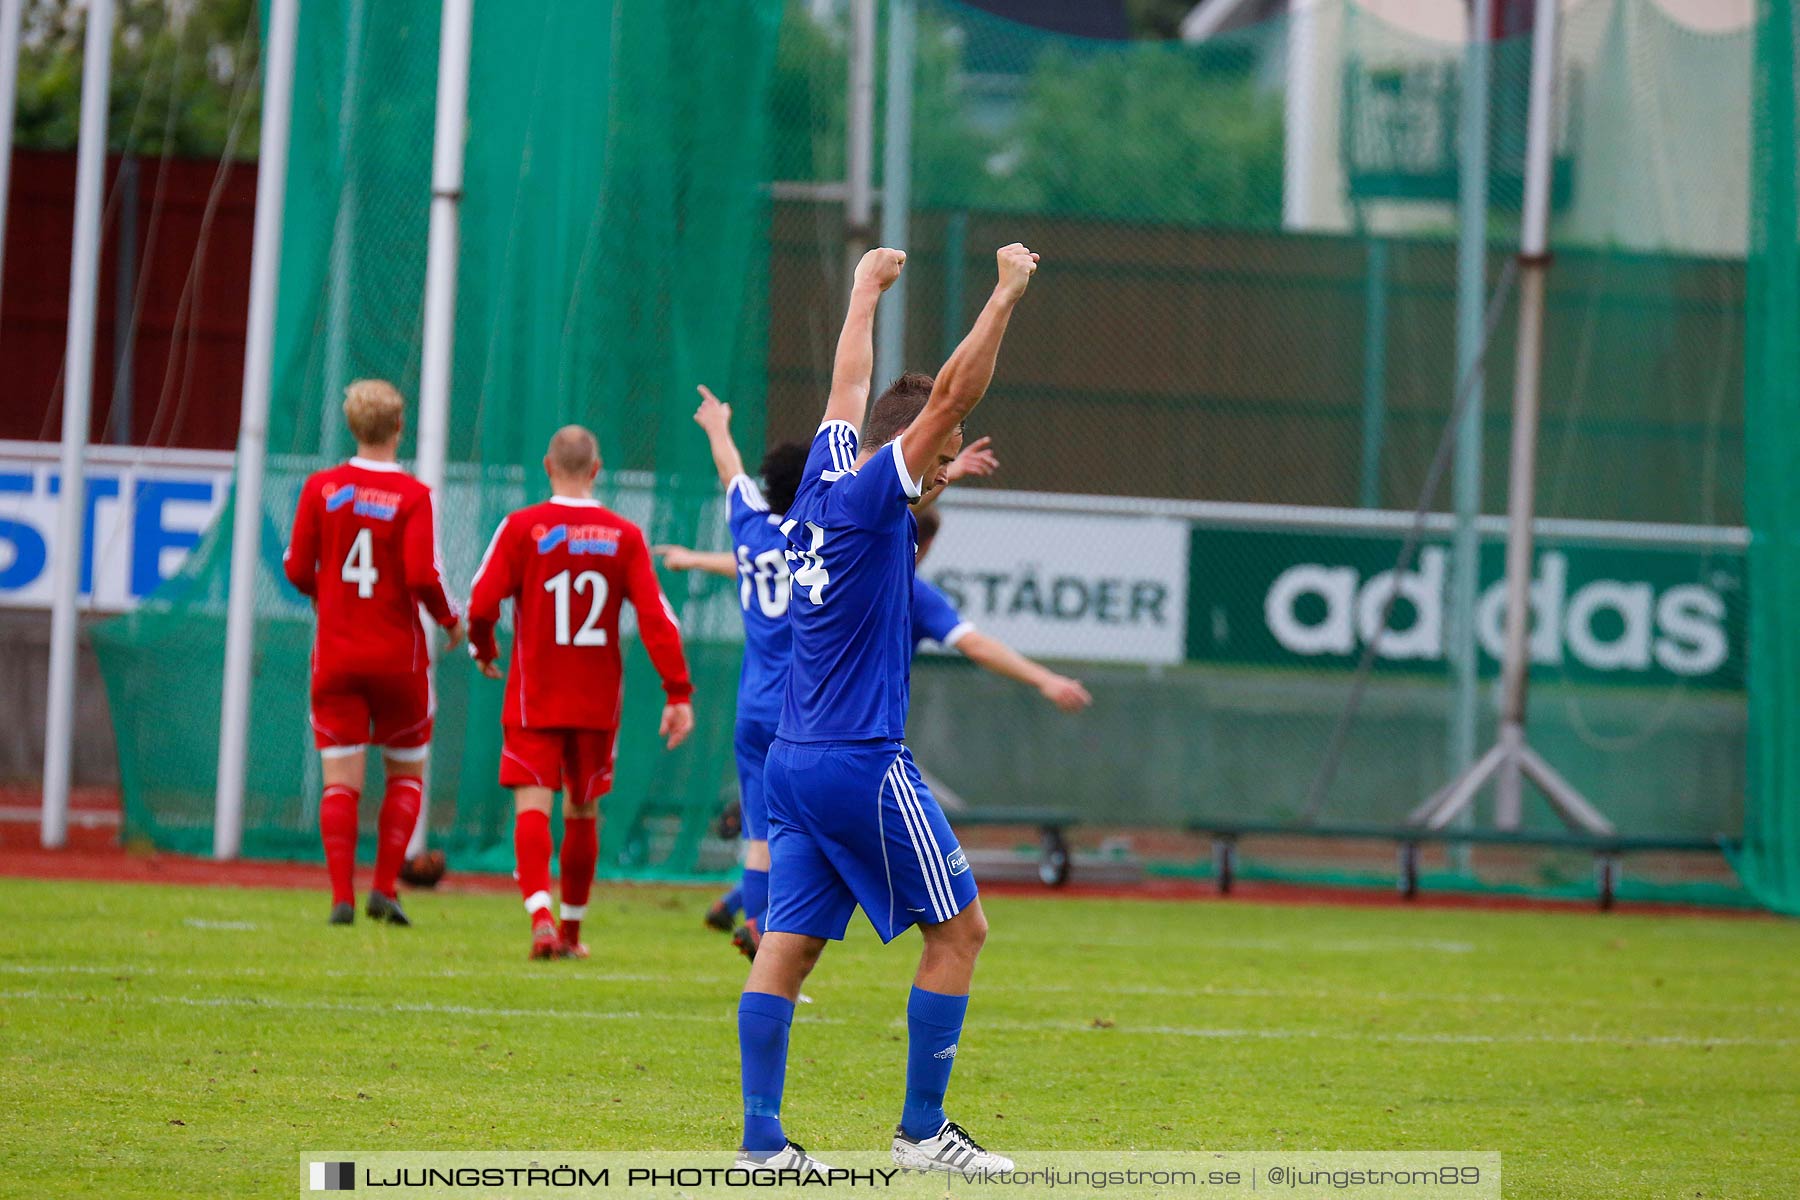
{"x": 159, "y": 1041}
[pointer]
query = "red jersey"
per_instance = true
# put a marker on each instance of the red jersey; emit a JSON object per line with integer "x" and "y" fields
{"x": 568, "y": 565}
{"x": 365, "y": 549}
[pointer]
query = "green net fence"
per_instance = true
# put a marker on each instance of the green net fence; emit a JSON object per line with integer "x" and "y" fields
{"x": 612, "y": 255}
{"x": 1264, "y": 263}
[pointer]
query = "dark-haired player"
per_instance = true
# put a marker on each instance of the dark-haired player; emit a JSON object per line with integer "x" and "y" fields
{"x": 759, "y": 560}
{"x": 364, "y": 548}
{"x": 760, "y": 565}
{"x": 568, "y": 565}
{"x": 850, "y": 820}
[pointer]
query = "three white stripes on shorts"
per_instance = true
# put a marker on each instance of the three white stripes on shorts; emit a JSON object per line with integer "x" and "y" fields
{"x": 918, "y": 828}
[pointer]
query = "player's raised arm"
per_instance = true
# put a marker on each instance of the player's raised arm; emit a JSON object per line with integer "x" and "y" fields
{"x": 714, "y": 416}
{"x": 855, "y": 361}
{"x": 965, "y": 377}
{"x": 995, "y": 655}
{"x": 712, "y": 562}
{"x": 425, "y": 568}
{"x": 661, "y": 636}
{"x": 495, "y": 579}
{"x": 301, "y": 559}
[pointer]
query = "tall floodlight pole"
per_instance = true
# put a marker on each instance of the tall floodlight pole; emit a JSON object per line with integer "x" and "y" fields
{"x": 896, "y": 184}
{"x": 78, "y": 396}
{"x": 859, "y": 149}
{"x": 11, "y": 13}
{"x": 253, "y": 426}
{"x": 1511, "y": 756}
{"x": 443, "y": 240}
{"x": 1471, "y": 294}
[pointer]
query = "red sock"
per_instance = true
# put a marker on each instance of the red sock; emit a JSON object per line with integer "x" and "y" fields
{"x": 531, "y": 850}
{"x": 580, "y": 851}
{"x": 337, "y": 827}
{"x": 399, "y": 813}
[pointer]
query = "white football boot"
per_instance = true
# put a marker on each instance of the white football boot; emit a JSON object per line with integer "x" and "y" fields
{"x": 789, "y": 1158}
{"x": 951, "y": 1150}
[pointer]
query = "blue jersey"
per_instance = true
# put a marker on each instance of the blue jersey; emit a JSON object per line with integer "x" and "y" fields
{"x": 934, "y": 618}
{"x": 763, "y": 590}
{"x": 851, "y": 541}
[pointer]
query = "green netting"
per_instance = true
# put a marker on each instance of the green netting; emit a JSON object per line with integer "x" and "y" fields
{"x": 1770, "y": 863}
{"x": 612, "y": 255}
{"x": 1215, "y": 408}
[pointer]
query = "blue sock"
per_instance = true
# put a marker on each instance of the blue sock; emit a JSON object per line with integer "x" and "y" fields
{"x": 734, "y": 899}
{"x": 756, "y": 897}
{"x": 934, "y": 1024}
{"x": 763, "y": 1023}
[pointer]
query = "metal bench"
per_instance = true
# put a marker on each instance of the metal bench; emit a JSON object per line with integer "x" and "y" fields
{"x": 1607, "y": 849}
{"x": 1051, "y": 823}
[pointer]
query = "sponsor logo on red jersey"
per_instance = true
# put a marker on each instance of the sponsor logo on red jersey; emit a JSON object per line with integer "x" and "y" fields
{"x": 580, "y": 539}
{"x": 365, "y": 501}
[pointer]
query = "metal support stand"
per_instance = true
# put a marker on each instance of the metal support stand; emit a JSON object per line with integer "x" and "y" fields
{"x": 1511, "y": 756}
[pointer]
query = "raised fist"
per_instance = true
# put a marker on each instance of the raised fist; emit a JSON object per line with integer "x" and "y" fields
{"x": 1016, "y": 267}
{"x": 880, "y": 266}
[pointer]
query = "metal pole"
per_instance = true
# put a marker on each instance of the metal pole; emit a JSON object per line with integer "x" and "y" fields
{"x": 440, "y": 274}
{"x": 1375, "y": 339}
{"x": 253, "y": 426}
{"x": 1471, "y": 291}
{"x": 125, "y": 276}
{"x": 1533, "y": 264}
{"x": 343, "y": 240}
{"x": 1299, "y": 168}
{"x": 896, "y": 184}
{"x": 11, "y": 12}
{"x": 1512, "y": 757}
{"x": 859, "y": 156}
{"x": 78, "y": 396}
{"x": 956, "y": 239}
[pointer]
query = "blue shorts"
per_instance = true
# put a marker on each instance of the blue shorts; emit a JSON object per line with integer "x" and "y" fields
{"x": 751, "y": 741}
{"x": 853, "y": 823}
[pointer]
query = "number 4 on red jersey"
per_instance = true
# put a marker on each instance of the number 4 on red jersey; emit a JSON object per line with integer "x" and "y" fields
{"x": 568, "y": 565}
{"x": 365, "y": 548}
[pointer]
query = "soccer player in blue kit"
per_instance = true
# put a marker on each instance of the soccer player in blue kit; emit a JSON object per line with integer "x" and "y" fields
{"x": 850, "y": 820}
{"x": 760, "y": 563}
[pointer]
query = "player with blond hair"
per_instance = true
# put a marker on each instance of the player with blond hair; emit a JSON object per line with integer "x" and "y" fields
{"x": 364, "y": 547}
{"x": 568, "y": 565}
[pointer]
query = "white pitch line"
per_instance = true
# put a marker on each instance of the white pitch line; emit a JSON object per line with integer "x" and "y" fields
{"x": 1432, "y": 1039}
{"x": 468, "y": 1010}
{"x": 398, "y": 1006}
{"x": 551, "y": 975}
{"x": 992, "y": 988}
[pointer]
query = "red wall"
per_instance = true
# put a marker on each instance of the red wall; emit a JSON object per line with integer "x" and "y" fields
{"x": 194, "y": 284}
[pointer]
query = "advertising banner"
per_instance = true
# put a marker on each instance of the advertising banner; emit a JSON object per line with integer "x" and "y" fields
{"x": 144, "y": 511}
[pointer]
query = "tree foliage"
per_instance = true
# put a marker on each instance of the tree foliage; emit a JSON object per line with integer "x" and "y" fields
{"x": 183, "y": 72}
{"x": 1147, "y": 130}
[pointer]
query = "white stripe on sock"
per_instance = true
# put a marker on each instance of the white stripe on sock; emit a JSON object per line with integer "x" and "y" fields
{"x": 536, "y": 901}
{"x": 573, "y": 912}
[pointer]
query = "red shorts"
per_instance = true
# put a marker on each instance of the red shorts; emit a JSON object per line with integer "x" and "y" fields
{"x": 391, "y": 710}
{"x": 576, "y": 762}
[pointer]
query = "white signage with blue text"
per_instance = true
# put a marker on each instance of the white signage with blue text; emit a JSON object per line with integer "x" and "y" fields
{"x": 144, "y": 511}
